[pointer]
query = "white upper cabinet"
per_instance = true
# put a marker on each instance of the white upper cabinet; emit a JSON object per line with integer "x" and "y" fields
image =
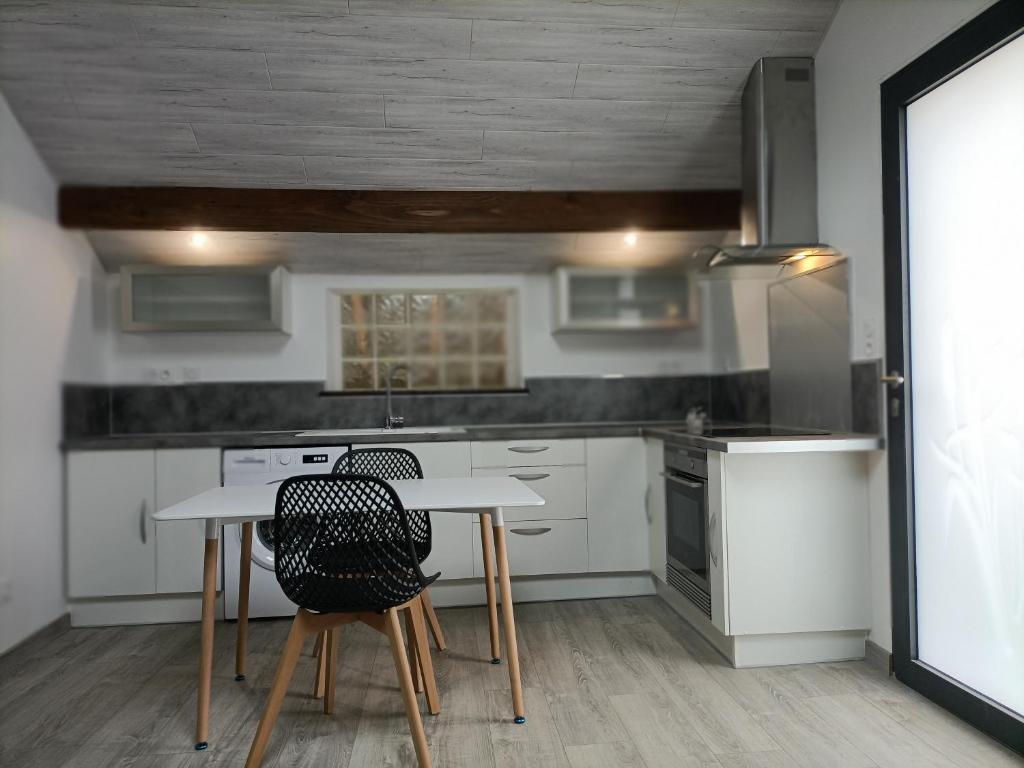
{"x": 594, "y": 299}
{"x": 204, "y": 299}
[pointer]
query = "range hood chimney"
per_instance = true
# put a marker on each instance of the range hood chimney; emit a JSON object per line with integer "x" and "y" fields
{"x": 779, "y": 214}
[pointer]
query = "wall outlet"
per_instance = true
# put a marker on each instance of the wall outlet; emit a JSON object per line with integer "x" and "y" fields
{"x": 161, "y": 376}
{"x": 5, "y": 590}
{"x": 869, "y": 338}
{"x": 190, "y": 374}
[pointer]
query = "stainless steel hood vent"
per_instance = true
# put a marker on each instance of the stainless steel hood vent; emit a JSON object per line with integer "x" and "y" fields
{"x": 779, "y": 213}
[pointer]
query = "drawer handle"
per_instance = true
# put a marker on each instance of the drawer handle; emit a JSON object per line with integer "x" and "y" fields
{"x": 528, "y": 448}
{"x": 534, "y": 476}
{"x": 142, "y": 520}
{"x": 530, "y": 531}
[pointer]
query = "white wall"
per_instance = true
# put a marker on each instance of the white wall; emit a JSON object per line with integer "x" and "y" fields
{"x": 49, "y": 332}
{"x": 303, "y": 355}
{"x": 868, "y": 41}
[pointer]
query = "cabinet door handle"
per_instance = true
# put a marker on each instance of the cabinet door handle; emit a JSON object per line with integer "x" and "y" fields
{"x": 713, "y": 526}
{"x": 142, "y": 520}
{"x": 681, "y": 481}
{"x": 534, "y": 476}
{"x": 528, "y": 448}
{"x": 530, "y": 531}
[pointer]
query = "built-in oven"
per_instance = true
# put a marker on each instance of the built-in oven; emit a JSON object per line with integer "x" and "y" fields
{"x": 686, "y": 513}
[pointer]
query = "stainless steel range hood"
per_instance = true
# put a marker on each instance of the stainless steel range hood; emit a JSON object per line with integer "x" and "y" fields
{"x": 779, "y": 214}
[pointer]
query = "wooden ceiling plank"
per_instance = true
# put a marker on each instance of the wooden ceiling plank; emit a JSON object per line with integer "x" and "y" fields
{"x": 399, "y": 211}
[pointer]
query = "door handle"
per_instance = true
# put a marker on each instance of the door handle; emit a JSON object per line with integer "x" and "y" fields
{"x": 894, "y": 379}
{"x": 534, "y": 476}
{"x": 712, "y": 536}
{"x": 528, "y": 448}
{"x": 142, "y": 520}
{"x": 687, "y": 483}
{"x": 529, "y": 531}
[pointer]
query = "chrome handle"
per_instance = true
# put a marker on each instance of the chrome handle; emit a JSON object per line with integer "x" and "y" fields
{"x": 647, "y": 504}
{"x": 687, "y": 483}
{"x": 142, "y": 520}
{"x": 712, "y": 525}
{"x": 894, "y": 379}
{"x": 535, "y": 476}
{"x": 529, "y": 531}
{"x": 528, "y": 448}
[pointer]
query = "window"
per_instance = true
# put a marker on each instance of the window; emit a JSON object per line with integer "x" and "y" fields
{"x": 446, "y": 339}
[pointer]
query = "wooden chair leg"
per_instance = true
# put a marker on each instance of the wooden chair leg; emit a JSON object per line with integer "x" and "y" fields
{"x": 435, "y": 625}
{"x": 394, "y": 632}
{"x": 414, "y": 665}
{"x": 317, "y": 644}
{"x": 419, "y": 633}
{"x": 321, "y": 667}
{"x": 330, "y": 652}
{"x": 285, "y": 669}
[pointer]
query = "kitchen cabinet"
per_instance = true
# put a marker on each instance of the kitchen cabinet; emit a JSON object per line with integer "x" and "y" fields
{"x": 540, "y": 547}
{"x": 528, "y": 453}
{"x": 114, "y": 546}
{"x": 624, "y": 299}
{"x": 160, "y": 298}
{"x": 111, "y": 537}
{"x": 179, "y": 475}
{"x": 564, "y": 490}
{"x": 451, "y": 546}
{"x": 616, "y": 519}
{"x": 654, "y": 506}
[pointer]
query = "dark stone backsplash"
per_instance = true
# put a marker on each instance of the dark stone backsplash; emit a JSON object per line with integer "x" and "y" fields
{"x": 300, "y": 405}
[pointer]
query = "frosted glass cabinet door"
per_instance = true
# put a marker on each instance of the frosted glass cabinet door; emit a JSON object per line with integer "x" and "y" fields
{"x": 965, "y": 170}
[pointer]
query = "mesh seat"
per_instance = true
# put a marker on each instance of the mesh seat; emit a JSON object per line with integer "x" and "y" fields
{"x": 391, "y": 464}
{"x": 343, "y": 543}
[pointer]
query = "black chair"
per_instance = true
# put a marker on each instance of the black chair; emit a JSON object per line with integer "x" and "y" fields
{"x": 398, "y": 464}
{"x": 344, "y": 552}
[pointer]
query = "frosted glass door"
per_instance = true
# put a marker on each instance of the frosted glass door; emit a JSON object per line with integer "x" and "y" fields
{"x": 965, "y": 203}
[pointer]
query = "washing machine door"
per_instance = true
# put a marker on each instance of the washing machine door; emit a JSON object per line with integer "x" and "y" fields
{"x": 262, "y": 544}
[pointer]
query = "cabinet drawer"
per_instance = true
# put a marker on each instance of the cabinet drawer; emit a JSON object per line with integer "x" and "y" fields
{"x": 527, "y": 453}
{"x": 539, "y": 547}
{"x": 564, "y": 490}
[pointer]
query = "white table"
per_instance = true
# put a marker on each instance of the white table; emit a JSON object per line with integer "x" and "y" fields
{"x": 483, "y": 496}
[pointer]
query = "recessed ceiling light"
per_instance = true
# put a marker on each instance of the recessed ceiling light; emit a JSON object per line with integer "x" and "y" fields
{"x": 630, "y": 239}
{"x": 197, "y": 239}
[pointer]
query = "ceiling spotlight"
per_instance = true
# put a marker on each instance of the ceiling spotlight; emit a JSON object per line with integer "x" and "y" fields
{"x": 630, "y": 239}
{"x": 197, "y": 239}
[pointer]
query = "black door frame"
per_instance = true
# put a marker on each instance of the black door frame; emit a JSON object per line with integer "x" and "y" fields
{"x": 988, "y": 31}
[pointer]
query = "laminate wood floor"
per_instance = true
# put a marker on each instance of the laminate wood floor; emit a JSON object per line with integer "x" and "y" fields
{"x": 618, "y": 682}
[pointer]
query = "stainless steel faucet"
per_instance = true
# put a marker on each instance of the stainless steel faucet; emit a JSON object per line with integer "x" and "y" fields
{"x": 391, "y": 421}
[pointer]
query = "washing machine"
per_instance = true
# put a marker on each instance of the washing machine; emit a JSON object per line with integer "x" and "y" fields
{"x": 262, "y": 466}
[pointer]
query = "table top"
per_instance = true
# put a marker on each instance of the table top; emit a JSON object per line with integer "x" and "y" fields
{"x": 243, "y": 503}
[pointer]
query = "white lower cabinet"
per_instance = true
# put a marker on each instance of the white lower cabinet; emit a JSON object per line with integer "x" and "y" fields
{"x": 564, "y": 490}
{"x": 451, "y": 551}
{"x": 114, "y": 546}
{"x": 111, "y": 537}
{"x": 539, "y": 547}
{"x": 616, "y": 521}
{"x": 181, "y": 474}
{"x": 654, "y": 507}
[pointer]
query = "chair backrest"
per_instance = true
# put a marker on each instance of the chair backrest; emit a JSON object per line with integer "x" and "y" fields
{"x": 343, "y": 543}
{"x": 391, "y": 464}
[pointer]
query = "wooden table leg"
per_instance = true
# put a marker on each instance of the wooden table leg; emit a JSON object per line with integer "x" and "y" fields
{"x": 487, "y": 541}
{"x": 508, "y": 619}
{"x": 244, "y": 572}
{"x": 206, "y": 635}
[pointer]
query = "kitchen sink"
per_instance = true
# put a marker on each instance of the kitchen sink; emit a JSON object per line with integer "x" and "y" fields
{"x": 406, "y": 431}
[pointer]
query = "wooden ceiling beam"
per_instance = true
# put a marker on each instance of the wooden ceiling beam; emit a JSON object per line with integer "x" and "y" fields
{"x": 393, "y": 211}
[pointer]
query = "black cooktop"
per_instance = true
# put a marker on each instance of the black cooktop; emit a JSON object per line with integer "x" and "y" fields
{"x": 756, "y": 430}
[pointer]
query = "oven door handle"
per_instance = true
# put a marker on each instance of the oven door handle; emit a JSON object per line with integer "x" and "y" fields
{"x": 676, "y": 479}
